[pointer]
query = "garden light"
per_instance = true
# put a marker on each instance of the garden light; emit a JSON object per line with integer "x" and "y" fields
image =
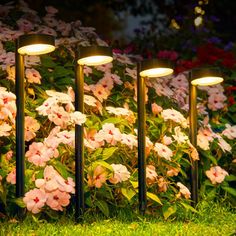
{"x": 201, "y": 77}
{"x": 89, "y": 56}
{"x": 146, "y": 69}
{"x": 32, "y": 44}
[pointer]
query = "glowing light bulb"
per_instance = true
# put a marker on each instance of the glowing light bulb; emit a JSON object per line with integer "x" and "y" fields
{"x": 95, "y": 60}
{"x": 156, "y": 72}
{"x": 36, "y": 49}
{"x": 206, "y": 81}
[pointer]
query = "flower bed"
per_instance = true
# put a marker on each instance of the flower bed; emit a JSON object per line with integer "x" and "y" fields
{"x": 110, "y": 121}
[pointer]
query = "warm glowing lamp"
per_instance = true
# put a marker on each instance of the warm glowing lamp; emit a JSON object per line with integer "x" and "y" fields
{"x": 89, "y": 56}
{"x": 31, "y": 44}
{"x": 198, "y": 77}
{"x": 151, "y": 68}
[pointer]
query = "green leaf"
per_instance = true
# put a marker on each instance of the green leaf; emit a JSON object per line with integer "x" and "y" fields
{"x": 154, "y": 197}
{"x": 134, "y": 183}
{"x": 102, "y": 205}
{"x": 113, "y": 120}
{"x": 108, "y": 152}
{"x": 128, "y": 193}
{"x": 209, "y": 156}
{"x": 168, "y": 210}
{"x": 188, "y": 207}
{"x": 47, "y": 62}
{"x": 19, "y": 202}
{"x": 230, "y": 190}
{"x": 104, "y": 164}
{"x": 61, "y": 169}
{"x": 230, "y": 178}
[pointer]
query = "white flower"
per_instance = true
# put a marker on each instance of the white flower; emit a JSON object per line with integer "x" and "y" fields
{"x": 77, "y": 118}
{"x": 184, "y": 190}
{"x": 163, "y": 151}
{"x": 176, "y": 116}
{"x": 120, "y": 173}
{"x": 230, "y": 131}
{"x": 90, "y": 100}
{"x": 130, "y": 140}
{"x": 224, "y": 145}
{"x": 179, "y": 136}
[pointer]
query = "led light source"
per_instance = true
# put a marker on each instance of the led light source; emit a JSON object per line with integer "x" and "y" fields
{"x": 146, "y": 69}
{"x": 35, "y": 44}
{"x": 155, "y": 68}
{"x": 94, "y": 55}
{"x": 206, "y": 76}
{"x": 201, "y": 77}
{"x": 89, "y": 56}
{"x": 31, "y": 44}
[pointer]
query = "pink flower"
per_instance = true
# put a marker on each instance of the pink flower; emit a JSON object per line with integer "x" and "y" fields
{"x": 179, "y": 136}
{"x": 166, "y": 140}
{"x": 105, "y": 67}
{"x": 204, "y": 136}
{"x": 130, "y": 140}
{"x": 9, "y": 155}
{"x": 33, "y": 76}
{"x": 98, "y": 177}
{"x": 156, "y": 109}
{"x": 216, "y": 174}
{"x": 122, "y": 58}
{"x": 57, "y": 199}
{"x": 107, "y": 82}
{"x": 39, "y": 154}
{"x": 87, "y": 70}
{"x": 216, "y": 101}
{"x": 224, "y": 145}
{"x": 230, "y": 131}
{"x": 11, "y": 177}
{"x": 24, "y": 25}
{"x": 151, "y": 174}
{"x": 120, "y": 174}
{"x": 66, "y": 137}
{"x": 172, "y": 171}
{"x": 35, "y": 199}
{"x": 59, "y": 116}
{"x": 90, "y": 141}
{"x": 77, "y": 118}
{"x": 51, "y": 10}
{"x": 53, "y": 181}
{"x": 162, "y": 184}
{"x": 184, "y": 190}
{"x": 4, "y": 129}
{"x": 163, "y": 151}
{"x": 108, "y": 133}
{"x": 131, "y": 72}
{"x": 180, "y": 81}
{"x": 31, "y": 126}
{"x": 172, "y": 114}
{"x": 100, "y": 92}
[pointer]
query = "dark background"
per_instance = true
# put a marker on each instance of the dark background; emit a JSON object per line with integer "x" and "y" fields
{"x": 104, "y": 15}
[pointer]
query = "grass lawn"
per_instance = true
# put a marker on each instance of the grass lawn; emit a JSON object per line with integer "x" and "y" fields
{"x": 211, "y": 221}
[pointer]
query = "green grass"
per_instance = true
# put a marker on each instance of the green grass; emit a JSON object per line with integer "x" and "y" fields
{"x": 214, "y": 220}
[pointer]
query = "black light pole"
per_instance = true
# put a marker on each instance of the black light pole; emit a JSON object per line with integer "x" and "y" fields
{"x": 32, "y": 44}
{"x": 152, "y": 68}
{"x": 89, "y": 56}
{"x": 201, "y": 77}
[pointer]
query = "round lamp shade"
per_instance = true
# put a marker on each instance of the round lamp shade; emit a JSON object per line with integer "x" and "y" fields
{"x": 94, "y": 55}
{"x": 153, "y": 68}
{"x": 206, "y": 76}
{"x": 35, "y": 44}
